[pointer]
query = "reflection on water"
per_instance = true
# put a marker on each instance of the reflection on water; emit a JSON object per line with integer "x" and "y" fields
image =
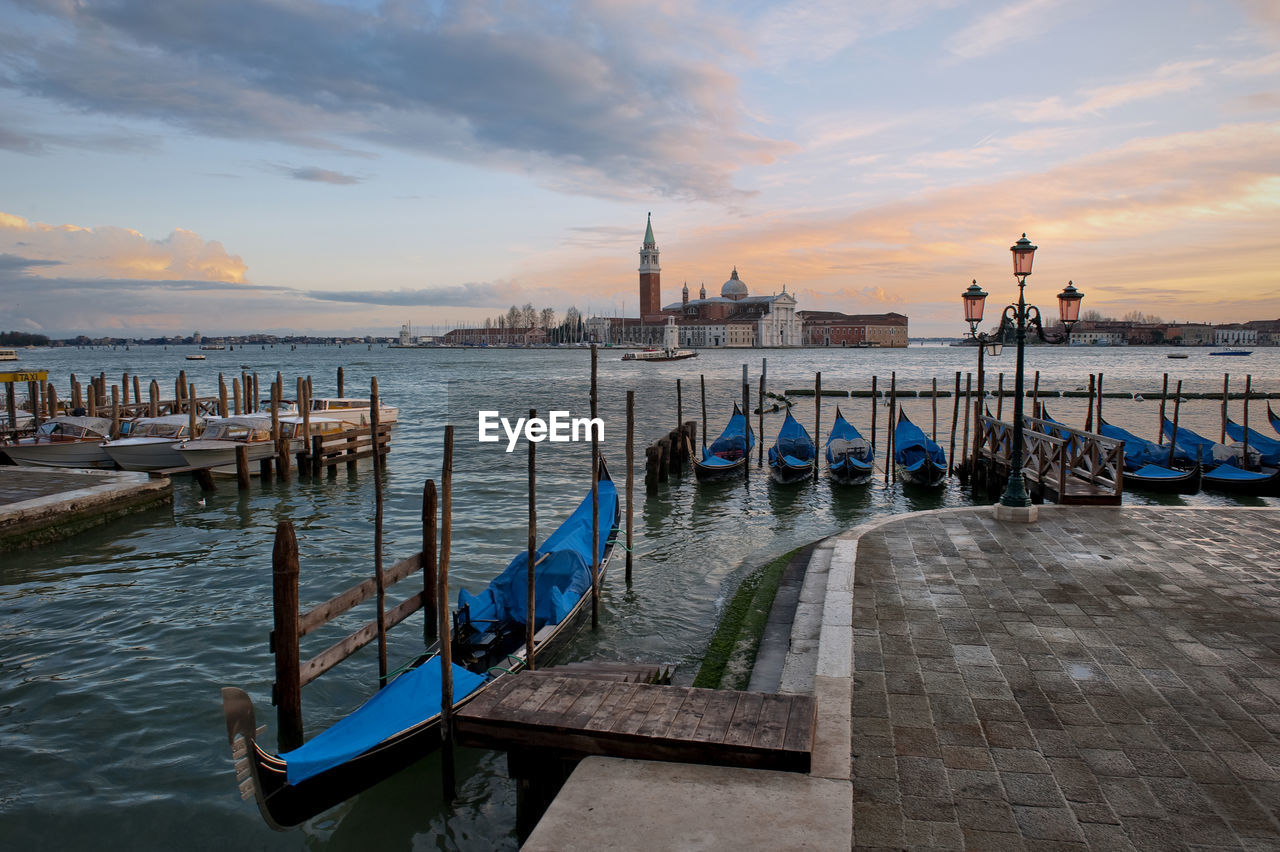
{"x": 113, "y": 645}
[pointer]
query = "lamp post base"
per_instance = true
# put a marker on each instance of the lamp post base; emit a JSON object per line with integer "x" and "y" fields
{"x": 1017, "y": 514}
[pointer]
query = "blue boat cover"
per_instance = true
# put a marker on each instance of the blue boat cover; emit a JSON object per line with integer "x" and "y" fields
{"x": 411, "y": 698}
{"x": 1227, "y": 471}
{"x": 1155, "y": 471}
{"x": 1138, "y": 452}
{"x": 845, "y": 445}
{"x": 912, "y": 447}
{"x": 793, "y": 445}
{"x": 1210, "y": 453}
{"x": 1268, "y": 449}
{"x": 736, "y": 439}
{"x": 560, "y": 579}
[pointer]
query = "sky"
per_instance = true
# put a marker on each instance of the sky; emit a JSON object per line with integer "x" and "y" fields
{"x": 345, "y": 167}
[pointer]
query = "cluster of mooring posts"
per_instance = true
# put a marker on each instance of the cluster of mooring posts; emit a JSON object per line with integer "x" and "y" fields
{"x": 547, "y": 719}
{"x": 1061, "y": 463}
{"x": 312, "y": 452}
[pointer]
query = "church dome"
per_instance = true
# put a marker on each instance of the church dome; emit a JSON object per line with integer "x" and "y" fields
{"x": 734, "y": 288}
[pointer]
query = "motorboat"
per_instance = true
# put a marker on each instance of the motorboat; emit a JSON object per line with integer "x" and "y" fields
{"x": 353, "y": 409}
{"x": 152, "y": 442}
{"x": 216, "y": 448}
{"x": 64, "y": 441}
{"x": 660, "y": 355}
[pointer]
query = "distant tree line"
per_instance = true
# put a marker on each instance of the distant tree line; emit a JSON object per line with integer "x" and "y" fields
{"x": 22, "y": 338}
{"x": 569, "y": 329}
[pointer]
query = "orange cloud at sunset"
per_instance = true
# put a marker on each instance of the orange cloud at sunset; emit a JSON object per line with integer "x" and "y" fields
{"x": 114, "y": 252}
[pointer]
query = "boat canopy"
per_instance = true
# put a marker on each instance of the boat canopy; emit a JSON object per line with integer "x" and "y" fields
{"x": 846, "y": 441}
{"x": 563, "y": 570}
{"x": 1139, "y": 452}
{"x": 1268, "y": 448}
{"x": 793, "y": 444}
{"x": 1228, "y": 471}
{"x": 71, "y": 426}
{"x": 409, "y": 700}
{"x": 912, "y": 447}
{"x": 736, "y": 440}
{"x": 1155, "y": 471}
{"x": 1210, "y": 453}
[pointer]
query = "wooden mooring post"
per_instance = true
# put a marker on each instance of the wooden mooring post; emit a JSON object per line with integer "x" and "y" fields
{"x": 448, "y": 775}
{"x": 875, "y": 404}
{"x": 286, "y": 694}
{"x": 1173, "y": 439}
{"x": 531, "y": 560}
{"x": 955, "y": 421}
{"x": 817, "y": 420}
{"x": 759, "y": 426}
{"x": 1164, "y": 397}
{"x": 1226, "y": 384}
{"x": 631, "y": 429}
{"x": 430, "y": 564}
{"x": 595, "y": 500}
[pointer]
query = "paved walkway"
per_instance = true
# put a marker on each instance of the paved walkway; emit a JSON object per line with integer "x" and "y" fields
{"x": 1105, "y": 678}
{"x": 1102, "y": 677}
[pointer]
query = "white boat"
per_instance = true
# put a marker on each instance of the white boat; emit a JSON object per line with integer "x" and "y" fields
{"x": 8, "y": 355}
{"x": 216, "y": 448}
{"x": 291, "y": 427}
{"x": 152, "y": 442}
{"x": 660, "y": 355}
{"x": 195, "y": 357}
{"x": 353, "y": 409}
{"x": 64, "y": 441}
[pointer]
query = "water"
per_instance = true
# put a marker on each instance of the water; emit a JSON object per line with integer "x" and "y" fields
{"x": 113, "y": 645}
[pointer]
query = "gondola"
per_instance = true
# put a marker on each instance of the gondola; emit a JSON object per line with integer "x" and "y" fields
{"x": 919, "y": 460}
{"x": 400, "y": 724}
{"x": 1146, "y": 464}
{"x": 729, "y": 453}
{"x": 793, "y": 454}
{"x": 850, "y": 457}
{"x": 1223, "y": 471}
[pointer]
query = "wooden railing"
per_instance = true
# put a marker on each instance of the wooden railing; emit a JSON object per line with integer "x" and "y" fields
{"x": 1053, "y": 454}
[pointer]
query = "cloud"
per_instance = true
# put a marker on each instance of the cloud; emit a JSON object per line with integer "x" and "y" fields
{"x": 1020, "y": 20}
{"x": 808, "y": 30}
{"x": 603, "y": 98}
{"x": 318, "y": 175}
{"x": 12, "y": 262}
{"x": 463, "y": 295}
{"x": 111, "y": 252}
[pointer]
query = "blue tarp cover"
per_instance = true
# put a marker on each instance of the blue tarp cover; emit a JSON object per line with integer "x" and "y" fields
{"x": 1155, "y": 471}
{"x": 1210, "y": 453}
{"x": 792, "y": 445}
{"x": 1228, "y": 470}
{"x": 912, "y": 447}
{"x": 1138, "y": 452}
{"x": 736, "y": 438}
{"x": 1268, "y": 449}
{"x": 561, "y": 578}
{"x": 411, "y": 698}
{"x": 845, "y": 445}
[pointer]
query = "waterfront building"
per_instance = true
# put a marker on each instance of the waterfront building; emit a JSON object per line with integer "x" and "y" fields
{"x": 1234, "y": 334}
{"x": 520, "y": 336}
{"x": 1268, "y": 331}
{"x": 833, "y": 328}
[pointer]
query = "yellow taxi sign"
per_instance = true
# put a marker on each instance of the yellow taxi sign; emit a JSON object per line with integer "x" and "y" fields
{"x": 32, "y": 376}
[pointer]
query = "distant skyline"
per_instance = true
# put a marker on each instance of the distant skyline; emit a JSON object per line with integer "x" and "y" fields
{"x": 286, "y": 167}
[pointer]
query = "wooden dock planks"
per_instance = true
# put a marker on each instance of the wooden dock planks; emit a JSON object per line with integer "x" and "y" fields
{"x": 573, "y": 716}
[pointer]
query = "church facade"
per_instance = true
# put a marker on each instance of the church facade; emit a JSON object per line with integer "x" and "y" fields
{"x": 735, "y": 318}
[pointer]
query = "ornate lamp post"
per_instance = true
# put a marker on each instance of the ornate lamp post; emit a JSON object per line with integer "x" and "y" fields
{"x": 1020, "y": 316}
{"x": 989, "y": 344}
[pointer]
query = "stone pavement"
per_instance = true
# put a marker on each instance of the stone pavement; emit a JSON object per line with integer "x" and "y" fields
{"x": 1107, "y": 678}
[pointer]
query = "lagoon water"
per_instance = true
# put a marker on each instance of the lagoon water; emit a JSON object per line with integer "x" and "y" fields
{"x": 113, "y": 645}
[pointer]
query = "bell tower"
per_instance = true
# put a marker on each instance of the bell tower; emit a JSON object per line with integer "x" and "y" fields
{"x": 650, "y": 274}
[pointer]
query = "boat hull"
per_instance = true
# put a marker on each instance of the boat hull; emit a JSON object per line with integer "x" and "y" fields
{"x": 220, "y": 456}
{"x": 845, "y": 472}
{"x": 1262, "y": 486}
{"x": 41, "y": 453}
{"x": 790, "y": 474}
{"x": 1187, "y": 482}
{"x": 711, "y": 473}
{"x": 145, "y": 453}
{"x": 927, "y": 475}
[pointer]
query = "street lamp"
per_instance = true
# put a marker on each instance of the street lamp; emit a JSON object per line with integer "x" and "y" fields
{"x": 989, "y": 344}
{"x": 1019, "y": 316}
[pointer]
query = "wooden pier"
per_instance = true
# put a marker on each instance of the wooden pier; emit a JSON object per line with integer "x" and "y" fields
{"x": 549, "y": 720}
{"x": 1059, "y": 463}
